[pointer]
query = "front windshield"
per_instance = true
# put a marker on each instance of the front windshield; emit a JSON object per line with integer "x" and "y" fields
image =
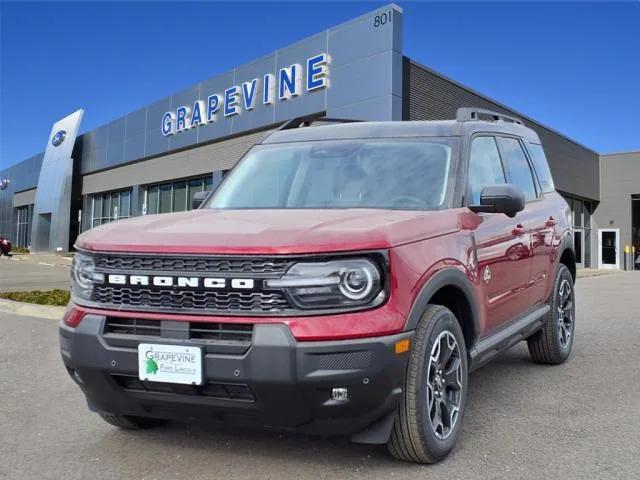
{"x": 388, "y": 174}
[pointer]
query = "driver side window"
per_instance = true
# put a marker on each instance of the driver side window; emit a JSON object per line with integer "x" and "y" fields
{"x": 485, "y": 167}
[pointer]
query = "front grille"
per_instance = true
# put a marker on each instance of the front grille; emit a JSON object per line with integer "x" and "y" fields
{"x": 207, "y": 331}
{"x": 202, "y": 301}
{"x": 187, "y": 263}
{"x": 229, "y": 391}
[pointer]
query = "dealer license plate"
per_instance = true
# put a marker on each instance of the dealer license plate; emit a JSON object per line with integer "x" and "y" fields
{"x": 170, "y": 363}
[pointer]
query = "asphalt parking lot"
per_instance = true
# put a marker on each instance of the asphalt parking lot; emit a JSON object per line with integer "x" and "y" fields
{"x": 526, "y": 421}
{"x": 34, "y": 272}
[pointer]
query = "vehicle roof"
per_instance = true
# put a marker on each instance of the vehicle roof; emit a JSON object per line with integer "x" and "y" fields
{"x": 360, "y": 130}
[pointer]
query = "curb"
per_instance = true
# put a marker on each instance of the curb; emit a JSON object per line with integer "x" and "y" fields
{"x": 588, "y": 273}
{"x": 31, "y": 310}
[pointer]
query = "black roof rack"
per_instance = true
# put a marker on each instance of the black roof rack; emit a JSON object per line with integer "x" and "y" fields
{"x": 470, "y": 114}
{"x": 307, "y": 120}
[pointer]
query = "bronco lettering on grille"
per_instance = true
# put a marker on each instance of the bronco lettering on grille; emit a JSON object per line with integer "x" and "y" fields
{"x": 182, "y": 282}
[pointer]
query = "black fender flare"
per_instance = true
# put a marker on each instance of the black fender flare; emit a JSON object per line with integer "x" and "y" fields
{"x": 566, "y": 244}
{"x": 444, "y": 278}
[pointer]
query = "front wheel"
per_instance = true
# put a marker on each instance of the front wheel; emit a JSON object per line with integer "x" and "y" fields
{"x": 429, "y": 417}
{"x": 552, "y": 344}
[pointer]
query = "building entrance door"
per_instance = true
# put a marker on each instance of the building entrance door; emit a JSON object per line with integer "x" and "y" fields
{"x": 608, "y": 248}
{"x": 635, "y": 230}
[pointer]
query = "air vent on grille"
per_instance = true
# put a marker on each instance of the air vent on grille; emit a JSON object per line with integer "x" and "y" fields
{"x": 132, "y": 326}
{"x": 344, "y": 360}
{"x": 190, "y": 300}
{"x": 275, "y": 266}
{"x": 221, "y": 331}
{"x": 206, "y": 331}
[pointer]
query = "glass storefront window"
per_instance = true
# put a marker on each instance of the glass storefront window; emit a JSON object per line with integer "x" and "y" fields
{"x": 106, "y": 206}
{"x": 165, "y": 199}
{"x": 195, "y": 185}
{"x": 587, "y": 214}
{"x": 176, "y": 196}
{"x": 581, "y": 212}
{"x": 125, "y": 204}
{"x": 23, "y": 226}
{"x": 152, "y": 200}
{"x": 587, "y": 248}
{"x": 179, "y": 196}
{"x": 110, "y": 206}
{"x": 97, "y": 210}
{"x": 577, "y": 213}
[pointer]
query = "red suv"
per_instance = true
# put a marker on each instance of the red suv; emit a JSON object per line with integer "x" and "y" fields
{"x": 343, "y": 279}
{"x": 5, "y": 246}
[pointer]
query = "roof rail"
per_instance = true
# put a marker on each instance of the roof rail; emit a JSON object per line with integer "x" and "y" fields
{"x": 468, "y": 114}
{"x": 307, "y": 120}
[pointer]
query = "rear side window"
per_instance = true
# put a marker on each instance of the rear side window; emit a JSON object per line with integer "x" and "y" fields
{"x": 518, "y": 166}
{"x": 485, "y": 167}
{"x": 541, "y": 166}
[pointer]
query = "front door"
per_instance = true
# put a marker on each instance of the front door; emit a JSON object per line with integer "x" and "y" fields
{"x": 503, "y": 247}
{"x": 503, "y": 244}
{"x": 608, "y": 248}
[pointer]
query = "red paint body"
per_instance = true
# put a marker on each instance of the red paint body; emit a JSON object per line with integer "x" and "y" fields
{"x": 521, "y": 252}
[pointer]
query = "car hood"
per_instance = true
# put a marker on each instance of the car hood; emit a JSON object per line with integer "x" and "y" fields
{"x": 268, "y": 231}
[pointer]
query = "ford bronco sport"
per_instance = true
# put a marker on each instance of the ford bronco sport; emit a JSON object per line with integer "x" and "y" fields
{"x": 342, "y": 279}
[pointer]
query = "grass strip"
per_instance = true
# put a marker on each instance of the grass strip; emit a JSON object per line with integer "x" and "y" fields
{"x": 58, "y": 298}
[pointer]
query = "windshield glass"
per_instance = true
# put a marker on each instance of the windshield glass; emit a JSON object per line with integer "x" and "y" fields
{"x": 389, "y": 174}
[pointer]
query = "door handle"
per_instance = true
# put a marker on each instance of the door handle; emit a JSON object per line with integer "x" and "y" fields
{"x": 552, "y": 222}
{"x": 519, "y": 230}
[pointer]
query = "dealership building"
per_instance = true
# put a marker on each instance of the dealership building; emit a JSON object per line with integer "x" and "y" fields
{"x": 155, "y": 159}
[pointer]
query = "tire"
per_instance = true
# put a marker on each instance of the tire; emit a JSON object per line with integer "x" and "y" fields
{"x": 414, "y": 437}
{"x": 552, "y": 344}
{"x": 129, "y": 422}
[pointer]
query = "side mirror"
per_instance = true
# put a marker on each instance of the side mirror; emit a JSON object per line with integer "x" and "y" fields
{"x": 505, "y": 198}
{"x": 198, "y": 199}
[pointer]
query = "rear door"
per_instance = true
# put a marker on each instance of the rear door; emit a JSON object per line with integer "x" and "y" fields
{"x": 502, "y": 243}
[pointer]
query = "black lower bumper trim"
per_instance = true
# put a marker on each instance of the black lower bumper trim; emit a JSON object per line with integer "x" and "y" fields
{"x": 277, "y": 383}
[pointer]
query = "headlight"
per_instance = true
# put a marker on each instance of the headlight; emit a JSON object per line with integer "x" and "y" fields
{"x": 84, "y": 276}
{"x": 334, "y": 284}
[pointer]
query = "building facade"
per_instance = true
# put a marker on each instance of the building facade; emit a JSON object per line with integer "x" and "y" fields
{"x": 616, "y": 221}
{"x": 155, "y": 159}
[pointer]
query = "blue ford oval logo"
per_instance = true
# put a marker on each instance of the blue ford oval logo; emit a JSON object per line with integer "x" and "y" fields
{"x": 58, "y": 138}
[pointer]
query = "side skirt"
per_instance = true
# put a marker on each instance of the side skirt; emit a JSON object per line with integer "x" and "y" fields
{"x": 489, "y": 347}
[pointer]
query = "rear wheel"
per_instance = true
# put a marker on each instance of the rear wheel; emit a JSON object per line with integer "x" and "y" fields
{"x": 429, "y": 417}
{"x": 552, "y": 345}
{"x": 130, "y": 422}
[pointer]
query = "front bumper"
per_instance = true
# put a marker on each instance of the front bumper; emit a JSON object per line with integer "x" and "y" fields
{"x": 276, "y": 383}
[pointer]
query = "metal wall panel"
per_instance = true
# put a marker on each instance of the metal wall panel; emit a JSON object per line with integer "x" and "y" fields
{"x": 431, "y": 96}
{"x": 364, "y": 77}
{"x": 22, "y": 176}
{"x": 203, "y": 160}
{"x": 261, "y": 114}
{"x": 51, "y": 216}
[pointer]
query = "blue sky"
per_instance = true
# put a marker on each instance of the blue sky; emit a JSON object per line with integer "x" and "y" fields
{"x": 573, "y": 66}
